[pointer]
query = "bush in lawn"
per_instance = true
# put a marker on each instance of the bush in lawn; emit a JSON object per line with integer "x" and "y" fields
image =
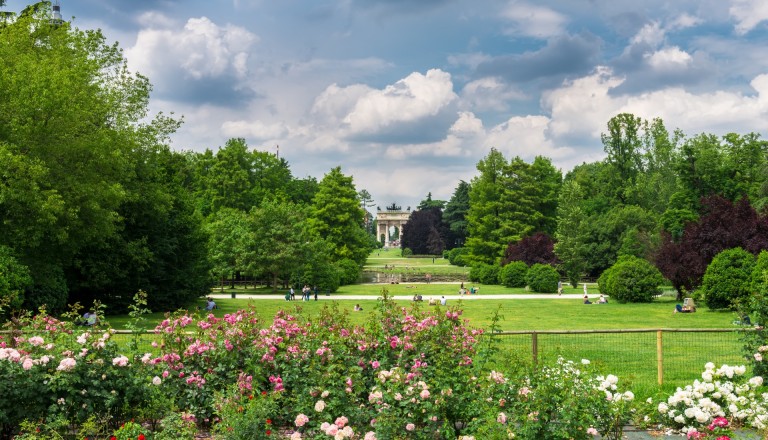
{"x": 631, "y": 280}
{"x": 407, "y": 252}
{"x": 542, "y": 278}
{"x": 349, "y": 271}
{"x": 457, "y": 256}
{"x": 484, "y": 273}
{"x": 728, "y": 279}
{"x": 514, "y": 274}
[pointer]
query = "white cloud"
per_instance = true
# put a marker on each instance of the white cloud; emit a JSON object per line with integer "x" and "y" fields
{"x": 651, "y": 34}
{"x": 257, "y": 130}
{"x": 201, "y": 49}
{"x": 534, "y": 21}
{"x": 668, "y": 58}
{"x": 582, "y": 107}
{"x": 684, "y": 21}
{"x": 489, "y": 94}
{"x": 415, "y": 97}
{"x": 748, "y": 14}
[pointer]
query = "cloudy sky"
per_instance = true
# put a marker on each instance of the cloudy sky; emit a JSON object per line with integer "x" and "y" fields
{"x": 408, "y": 95}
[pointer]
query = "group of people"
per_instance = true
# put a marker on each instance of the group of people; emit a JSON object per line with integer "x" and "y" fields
{"x": 306, "y": 293}
{"x": 600, "y": 300}
{"x": 472, "y": 290}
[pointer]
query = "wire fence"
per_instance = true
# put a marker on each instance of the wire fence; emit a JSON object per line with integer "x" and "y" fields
{"x": 646, "y": 357}
{"x": 639, "y": 357}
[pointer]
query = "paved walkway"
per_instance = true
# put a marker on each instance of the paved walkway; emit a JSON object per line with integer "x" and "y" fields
{"x": 406, "y": 297}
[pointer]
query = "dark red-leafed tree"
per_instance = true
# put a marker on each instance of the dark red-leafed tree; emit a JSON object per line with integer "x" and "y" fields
{"x": 722, "y": 225}
{"x": 424, "y": 233}
{"x": 536, "y": 248}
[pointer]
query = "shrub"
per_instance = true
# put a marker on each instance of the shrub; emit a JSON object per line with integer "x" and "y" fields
{"x": 407, "y": 252}
{"x": 542, "y": 278}
{"x": 513, "y": 274}
{"x": 14, "y": 279}
{"x": 349, "y": 271}
{"x": 631, "y": 279}
{"x": 457, "y": 256}
{"x": 728, "y": 278}
{"x": 484, "y": 273}
{"x": 760, "y": 273}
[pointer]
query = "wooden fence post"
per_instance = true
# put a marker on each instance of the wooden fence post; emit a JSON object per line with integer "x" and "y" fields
{"x": 659, "y": 357}
{"x": 535, "y": 347}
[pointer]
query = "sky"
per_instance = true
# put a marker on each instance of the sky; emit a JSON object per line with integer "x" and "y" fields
{"x": 406, "y": 96}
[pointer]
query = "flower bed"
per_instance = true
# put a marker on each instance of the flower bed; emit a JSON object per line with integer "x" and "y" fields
{"x": 408, "y": 373}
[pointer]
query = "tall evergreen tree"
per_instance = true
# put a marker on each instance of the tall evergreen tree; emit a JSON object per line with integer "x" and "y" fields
{"x": 337, "y": 217}
{"x": 485, "y": 207}
{"x": 455, "y": 216}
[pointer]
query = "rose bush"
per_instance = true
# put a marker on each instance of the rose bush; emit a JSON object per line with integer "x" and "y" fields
{"x": 411, "y": 372}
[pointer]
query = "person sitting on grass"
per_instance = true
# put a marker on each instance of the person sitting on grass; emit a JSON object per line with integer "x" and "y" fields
{"x": 586, "y": 300}
{"x": 358, "y": 308}
{"x": 210, "y": 305}
{"x": 602, "y": 300}
{"x": 681, "y": 309}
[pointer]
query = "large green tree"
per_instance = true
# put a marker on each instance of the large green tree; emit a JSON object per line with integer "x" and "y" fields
{"x": 336, "y": 216}
{"x": 455, "y": 216}
{"x": 485, "y": 207}
{"x": 278, "y": 242}
{"x": 90, "y": 168}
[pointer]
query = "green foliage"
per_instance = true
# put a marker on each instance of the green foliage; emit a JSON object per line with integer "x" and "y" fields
{"x": 570, "y": 241}
{"x": 337, "y": 217}
{"x": 728, "y": 278}
{"x": 49, "y": 289}
{"x": 484, "y": 273}
{"x": 542, "y": 278}
{"x": 455, "y": 215}
{"x": 130, "y": 431}
{"x": 349, "y": 271}
{"x": 631, "y": 280}
{"x": 458, "y": 256}
{"x": 246, "y": 416}
{"x": 514, "y": 274}
{"x": 14, "y": 279}
{"x": 177, "y": 426}
{"x": 406, "y": 252}
{"x": 277, "y": 242}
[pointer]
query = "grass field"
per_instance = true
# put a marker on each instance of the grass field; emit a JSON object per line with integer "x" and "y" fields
{"x": 631, "y": 356}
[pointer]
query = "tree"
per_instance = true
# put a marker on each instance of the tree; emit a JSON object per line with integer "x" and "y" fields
{"x": 483, "y": 217}
{"x": 422, "y": 233}
{"x": 723, "y": 225}
{"x": 620, "y": 229}
{"x": 569, "y": 246}
{"x": 534, "y": 249}
{"x": 106, "y": 215}
{"x": 336, "y": 216}
{"x": 428, "y": 203}
{"x": 14, "y": 280}
{"x": 228, "y": 230}
{"x": 728, "y": 278}
{"x": 631, "y": 279}
{"x": 622, "y": 145}
{"x": 277, "y": 242}
{"x": 455, "y": 215}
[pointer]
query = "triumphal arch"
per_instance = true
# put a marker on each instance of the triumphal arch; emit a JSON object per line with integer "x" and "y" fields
{"x": 391, "y": 216}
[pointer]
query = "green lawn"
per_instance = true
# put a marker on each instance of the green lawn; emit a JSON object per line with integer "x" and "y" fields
{"x": 632, "y": 356}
